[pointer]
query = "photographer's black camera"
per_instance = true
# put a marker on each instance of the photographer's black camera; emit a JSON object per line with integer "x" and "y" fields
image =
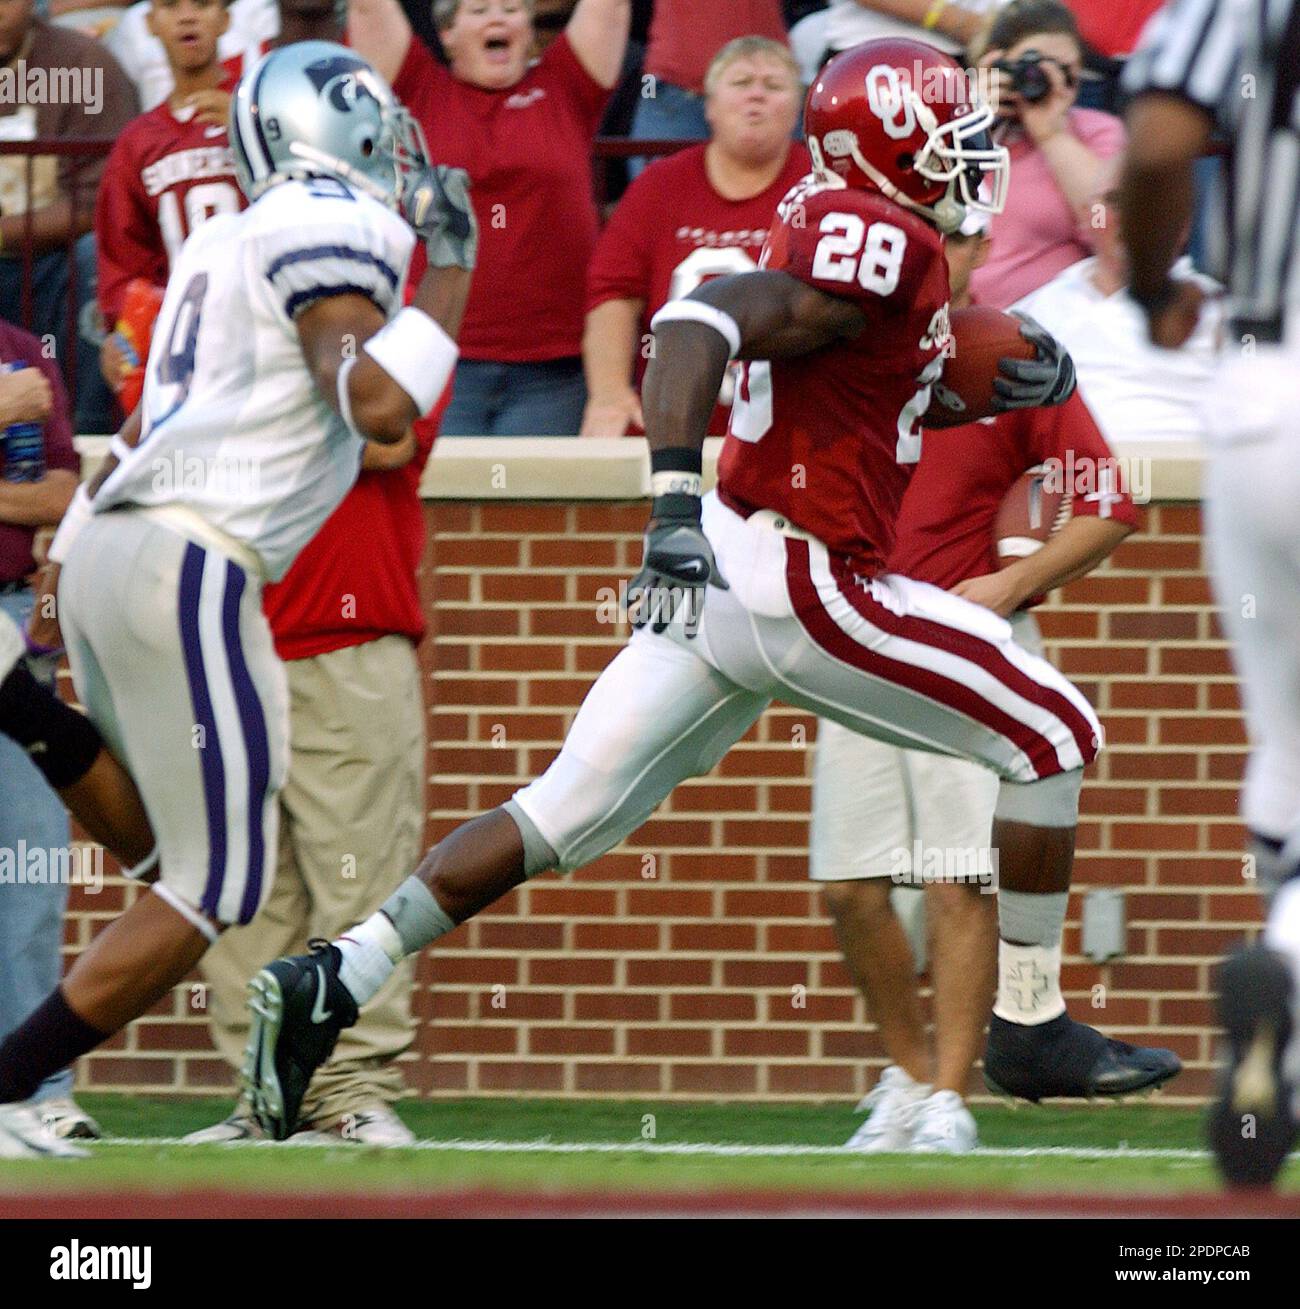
{"x": 1029, "y": 78}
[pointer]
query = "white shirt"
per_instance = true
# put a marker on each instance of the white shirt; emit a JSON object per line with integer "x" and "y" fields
{"x": 236, "y": 431}
{"x": 252, "y": 24}
{"x": 847, "y": 23}
{"x": 1136, "y": 391}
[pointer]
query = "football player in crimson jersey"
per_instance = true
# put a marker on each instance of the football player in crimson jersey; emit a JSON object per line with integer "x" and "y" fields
{"x": 774, "y": 586}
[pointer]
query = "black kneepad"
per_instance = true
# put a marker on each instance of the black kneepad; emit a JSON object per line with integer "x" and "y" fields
{"x": 61, "y": 742}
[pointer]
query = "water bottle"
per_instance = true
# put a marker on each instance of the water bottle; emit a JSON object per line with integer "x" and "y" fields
{"x": 23, "y": 444}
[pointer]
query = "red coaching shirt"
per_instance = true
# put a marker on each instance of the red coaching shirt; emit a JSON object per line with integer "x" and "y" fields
{"x": 528, "y": 153}
{"x": 672, "y": 231}
{"x": 829, "y": 440}
{"x": 944, "y": 532}
{"x": 165, "y": 175}
{"x": 355, "y": 580}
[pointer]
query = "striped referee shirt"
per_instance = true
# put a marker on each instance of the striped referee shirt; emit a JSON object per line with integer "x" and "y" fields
{"x": 1239, "y": 60}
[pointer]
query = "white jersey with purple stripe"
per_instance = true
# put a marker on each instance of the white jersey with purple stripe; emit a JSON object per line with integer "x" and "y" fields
{"x": 235, "y": 428}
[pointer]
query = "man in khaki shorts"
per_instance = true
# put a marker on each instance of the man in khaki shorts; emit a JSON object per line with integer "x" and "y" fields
{"x": 885, "y": 817}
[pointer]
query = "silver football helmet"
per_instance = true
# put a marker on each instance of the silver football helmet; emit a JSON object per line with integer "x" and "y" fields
{"x": 316, "y": 109}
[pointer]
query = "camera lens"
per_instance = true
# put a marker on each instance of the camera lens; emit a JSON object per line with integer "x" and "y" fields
{"x": 1030, "y": 82}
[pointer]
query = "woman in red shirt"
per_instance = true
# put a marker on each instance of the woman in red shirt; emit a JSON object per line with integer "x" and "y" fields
{"x": 684, "y": 37}
{"x": 701, "y": 213}
{"x": 523, "y": 129}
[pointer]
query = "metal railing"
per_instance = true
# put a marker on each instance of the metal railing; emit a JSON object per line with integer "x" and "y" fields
{"x": 73, "y": 190}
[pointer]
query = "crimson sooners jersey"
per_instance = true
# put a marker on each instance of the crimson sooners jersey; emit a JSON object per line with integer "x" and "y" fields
{"x": 165, "y": 175}
{"x": 829, "y": 440}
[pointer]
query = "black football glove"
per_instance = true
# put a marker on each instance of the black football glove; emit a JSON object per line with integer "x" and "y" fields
{"x": 677, "y": 566}
{"x": 1033, "y": 383}
{"x": 437, "y": 205}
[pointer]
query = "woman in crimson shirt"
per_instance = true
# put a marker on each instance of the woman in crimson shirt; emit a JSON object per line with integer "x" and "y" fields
{"x": 702, "y": 213}
{"x": 523, "y": 129}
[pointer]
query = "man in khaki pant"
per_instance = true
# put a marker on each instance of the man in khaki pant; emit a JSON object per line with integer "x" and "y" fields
{"x": 346, "y": 620}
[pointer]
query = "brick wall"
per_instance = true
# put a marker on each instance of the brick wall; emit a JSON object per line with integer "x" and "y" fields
{"x": 672, "y": 966}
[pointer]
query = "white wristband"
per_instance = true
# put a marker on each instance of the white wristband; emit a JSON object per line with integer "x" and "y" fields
{"x": 696, "y": 311}
{"x": 344, "y": 399}
{"x": 676, "y": 484}
{"x": 417, "y": 354}
{"x": 75, "y": 517}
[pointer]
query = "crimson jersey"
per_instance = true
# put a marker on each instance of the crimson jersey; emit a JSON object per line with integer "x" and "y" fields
{"x": 672, "y": 231}
{"x": 829, "y": 439}
{"x": 944, "y": 532}
{"x": 165, "y": 175}
{"x": 528, "y": 153}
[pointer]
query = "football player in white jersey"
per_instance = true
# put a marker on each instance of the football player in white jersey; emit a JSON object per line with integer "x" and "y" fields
{"x": 281, "y": 347}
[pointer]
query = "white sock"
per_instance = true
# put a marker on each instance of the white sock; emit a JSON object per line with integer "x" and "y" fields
{"x": 1029, "y": 983}
{"x": 1282, "y": 932}
{"x": 370, "y": 952}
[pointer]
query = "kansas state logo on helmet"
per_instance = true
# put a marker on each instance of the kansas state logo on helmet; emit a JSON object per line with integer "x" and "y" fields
{"x": 336, "y": 79}
{"x": 316, "y": 109}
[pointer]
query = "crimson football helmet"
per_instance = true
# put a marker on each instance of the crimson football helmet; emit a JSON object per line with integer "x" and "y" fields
{"x": 901, "y": 118}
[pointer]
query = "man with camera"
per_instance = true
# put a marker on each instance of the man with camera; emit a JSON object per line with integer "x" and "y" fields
{"x": 1031, "y": 69}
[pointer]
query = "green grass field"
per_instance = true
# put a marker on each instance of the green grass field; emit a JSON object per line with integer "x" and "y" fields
{"x": 553, "y": 1147}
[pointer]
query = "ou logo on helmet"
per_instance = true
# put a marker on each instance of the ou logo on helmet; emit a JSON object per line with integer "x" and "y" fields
{"x": 890, "y": 101}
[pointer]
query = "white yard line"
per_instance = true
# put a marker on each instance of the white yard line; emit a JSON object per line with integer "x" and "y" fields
{"x": 708, "y": 1150}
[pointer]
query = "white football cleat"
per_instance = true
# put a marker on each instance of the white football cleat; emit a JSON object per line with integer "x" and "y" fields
{"x": 373, "y": 1123}
{"x": 240, "y": 1125}
{"x": 941, "y": 1124}
{"x": 24, "y": 1136}
{"x": 68, "y": 1120}
{"x": 890, "y": 1103}
{"x": 12, "y": 645}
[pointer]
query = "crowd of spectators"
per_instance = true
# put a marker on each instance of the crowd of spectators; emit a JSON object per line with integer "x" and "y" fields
{"x": 517, "y": 91}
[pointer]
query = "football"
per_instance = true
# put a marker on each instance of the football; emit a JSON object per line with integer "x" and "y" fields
{"x": 1029, "y": 516}
{"x": 980, "y": 337}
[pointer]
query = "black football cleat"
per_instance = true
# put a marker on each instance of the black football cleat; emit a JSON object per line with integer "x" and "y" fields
{"x": 1252, "y": 1126}
{"x": 298, "y": 1006}
{"x": 1065, "y": 1058}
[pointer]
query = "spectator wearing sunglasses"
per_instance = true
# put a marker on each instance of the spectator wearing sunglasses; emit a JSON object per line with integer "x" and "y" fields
{"x": 1033, "y": 62}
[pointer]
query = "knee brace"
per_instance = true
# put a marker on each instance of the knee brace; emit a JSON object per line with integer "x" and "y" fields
{"x": 61, "y": 742}
{"x": 1048, "y": 802}
{"x": 538, "y": 855}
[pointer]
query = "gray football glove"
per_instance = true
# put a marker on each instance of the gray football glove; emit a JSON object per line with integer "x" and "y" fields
{"x": 677, "y": 567}
{"x": 1033, "y": 383}
{"x": 438, "y": 207}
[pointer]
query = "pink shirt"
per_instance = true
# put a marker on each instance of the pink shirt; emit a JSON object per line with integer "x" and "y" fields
{"x": 1037, "y": 236}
